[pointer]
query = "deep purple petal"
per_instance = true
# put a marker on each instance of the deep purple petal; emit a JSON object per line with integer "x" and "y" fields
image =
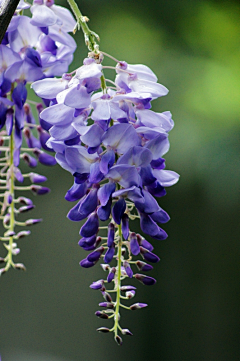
{"x": 90, "y": 227}
{"x": 149, "y": 256}
{"x": 76, "y": 192}
{"x": 109, "y": 254}
{"x": 146, "y": 280}
{"x": 105, "y": 192}
{"x": 107, "y": 161}
{"x": 118, "y": 210}
{"x": 125, "y": 226}
{"x": 105, "y": 211}
{"x": 134, "y": 245}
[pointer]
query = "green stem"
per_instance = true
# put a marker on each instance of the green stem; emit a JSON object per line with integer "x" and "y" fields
{"x": 12, "y": 218}
{"x": 90, "y": 36}
{"x": 118, "y": 282}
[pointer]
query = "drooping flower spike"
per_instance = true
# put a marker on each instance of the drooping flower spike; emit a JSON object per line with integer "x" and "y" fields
{"x": 29, "y": 51}
{"x": 113, "y": 144}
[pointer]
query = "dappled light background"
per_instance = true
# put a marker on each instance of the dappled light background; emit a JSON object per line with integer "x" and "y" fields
{"x": 47, "y": 313}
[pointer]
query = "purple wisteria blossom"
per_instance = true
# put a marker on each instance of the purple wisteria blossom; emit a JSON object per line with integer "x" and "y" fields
{"x": 32, "y": 49}
{"x": 113, "y": 145}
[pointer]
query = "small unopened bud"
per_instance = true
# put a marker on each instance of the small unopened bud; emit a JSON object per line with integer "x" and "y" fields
{"x": 143, "y": 266}
{"x": 22, "y": 234}
{"x": 66, "y": 76}
{"x": 118, "y": 339}
{"x": 39, "y": 190}
{"x": 37, "y": 178}
{"x": 105, "y": 267}
{"x": 24, "y": 200}
{"x": 32, "y": 162}
{"x": 123, "y": 251}
{"x": 103, "y": 329}
{"x": 9, "y": 199}
{"x": 2, "y": 271}
{"x": 15, "y": 251}
{"x": 127, "y": 288}
{"x": 101, "y": 315}
{"x": 125, "y": 331}
{"x": 111, "y": 274}
{"x": 9, "y": 233}
{"x": 2, "y": 260}
{"x": 130, "y": 294}
{"x": 26, "y": 208}
{"x": 128, "y": 269}
{"x": 106, "y": 304}
{"x": 137, "y": 306}
{"x": 20, "y": 266}
{"x": 107, "y": 296}
{"x": 148, "y": 281}
{"x": 44, "y": 158}
{"x": 6, "y": 219}
{"x": 97, "y": 285}
{"x": 30, "y": 222}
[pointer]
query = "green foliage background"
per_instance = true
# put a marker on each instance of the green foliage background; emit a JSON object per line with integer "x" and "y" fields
{"x": 47, "y": 313}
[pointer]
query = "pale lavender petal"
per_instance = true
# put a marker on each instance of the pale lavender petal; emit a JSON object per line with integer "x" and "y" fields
{"x": 166, "y": 178}
{"x": 121, "y": 137}
{"x": 158, "y": 146}
{"x": 127, "y": 176}
{"x": 49, "y": 88}
{"x": 42, "y": 15}
{"x": 58, "y": 114}
{"x": 77, "y": 98}
{"x": 138, "y": 156}
{"x": 145, "y": 86}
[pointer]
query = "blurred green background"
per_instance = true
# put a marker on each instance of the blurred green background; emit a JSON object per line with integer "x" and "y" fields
{"x": 47, "y": 313}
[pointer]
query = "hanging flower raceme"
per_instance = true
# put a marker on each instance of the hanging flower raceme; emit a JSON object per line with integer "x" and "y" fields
{"x": 31, "y": 50}
{"x": 113, "y": 145}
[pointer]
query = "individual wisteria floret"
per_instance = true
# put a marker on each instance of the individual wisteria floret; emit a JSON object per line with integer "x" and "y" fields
{"x": 113, "y": 144}
{"x": 32, "y": 49}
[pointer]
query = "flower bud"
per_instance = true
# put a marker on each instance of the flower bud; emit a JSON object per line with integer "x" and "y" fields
{"x": 137, "y": 306}
{"x": 105, "y": 267}
{"x": 101, "y": 314}
{"x": 26, "y": 208}
{"x": 22, "y": 234}
{"x": 107, "y": 296}
{"x": 44, "y": 158}
{"x": 143, "y": 266}
{"x": 30, "y": 222}
{"x": 130, "y": 294}
{"x": 24, "y": 200}
{"x": 118, "y": 340}
{"x": 127, "y": 288}
{"x": 134, "y": 246}
{"x": 97, "y": 285}
{"x": 128, "y": 269}
{"x": 103, "y": 329}
{"x": 32, "y": 162}
{"x": 94, "y": 256}
{"x": 20, "y": 266}
{"x": 37, "y": 178}
{"x": 111, "y": 274}
{"x": 125, "y": 331}
{"x": 149, "y": 256}
{"x": 106, "y": 304}
{"x": 146, "y": 280}
{"x": 39, "y": 190}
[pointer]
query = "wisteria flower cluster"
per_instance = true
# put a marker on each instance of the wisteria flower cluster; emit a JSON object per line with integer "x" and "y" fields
{"x": 103, "y": 132}
{"x": 112, "y": 143}
{"x": 32, "y": 49}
